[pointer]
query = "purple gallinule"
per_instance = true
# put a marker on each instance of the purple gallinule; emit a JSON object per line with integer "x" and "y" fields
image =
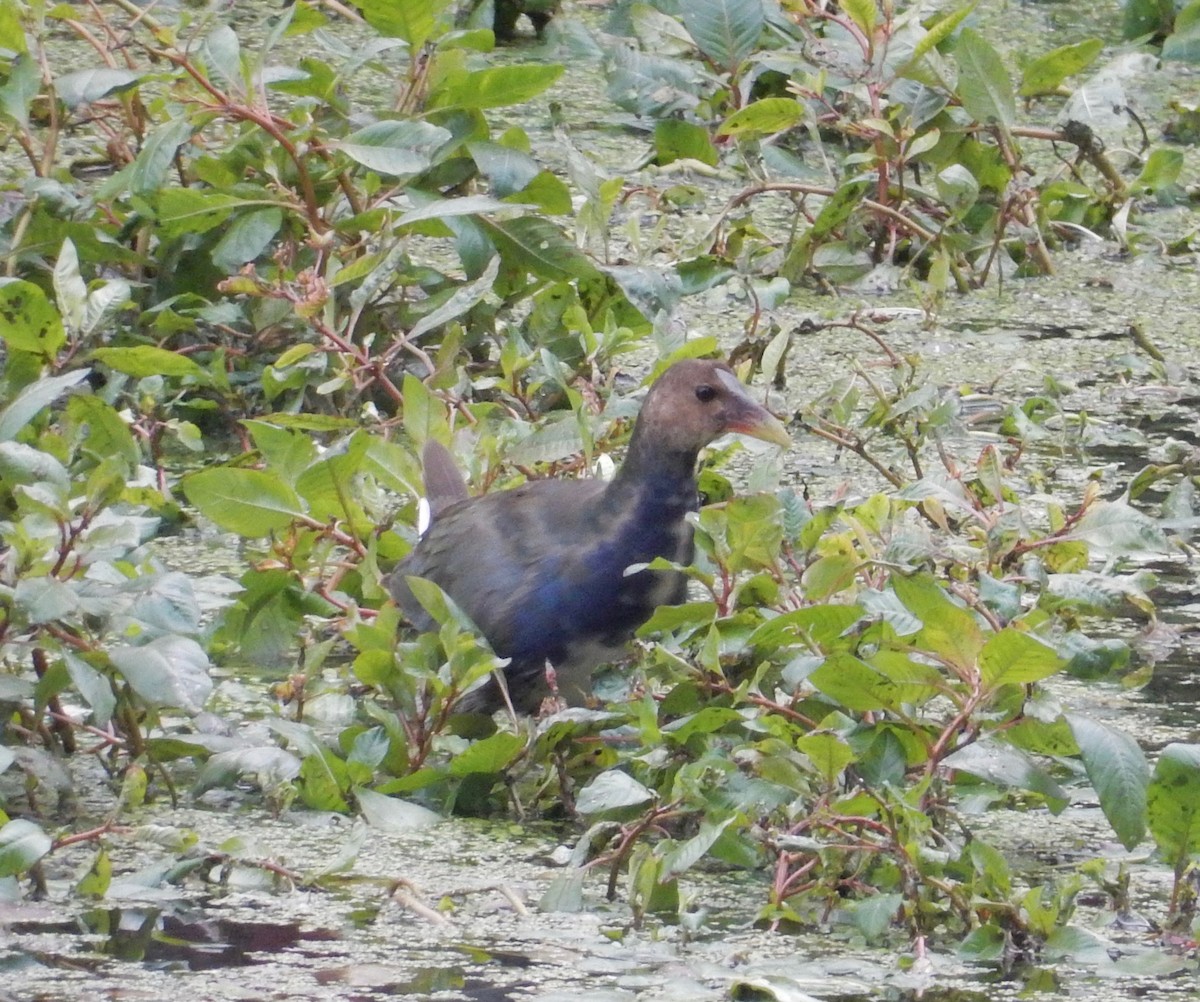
{"x": 549, "y": 571}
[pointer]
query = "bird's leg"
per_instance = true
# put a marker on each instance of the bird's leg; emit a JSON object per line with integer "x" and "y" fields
{"x": 554, "y": 702}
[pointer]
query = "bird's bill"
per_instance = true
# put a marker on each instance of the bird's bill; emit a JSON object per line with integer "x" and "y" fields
{"x": 748, "y": 417}
{"x": 763, "y": 425}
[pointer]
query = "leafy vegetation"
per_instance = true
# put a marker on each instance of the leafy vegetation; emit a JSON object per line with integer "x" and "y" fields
{"x": 293, "y": 272}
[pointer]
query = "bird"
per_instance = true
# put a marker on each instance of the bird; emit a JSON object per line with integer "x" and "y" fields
{"x": 551, "y": 572}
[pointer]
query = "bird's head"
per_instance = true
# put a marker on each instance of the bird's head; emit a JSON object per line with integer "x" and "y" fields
{"x": 696, "y": 401}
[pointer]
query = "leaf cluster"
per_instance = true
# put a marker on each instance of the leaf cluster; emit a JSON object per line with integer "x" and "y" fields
{"x": 292, "y": 272}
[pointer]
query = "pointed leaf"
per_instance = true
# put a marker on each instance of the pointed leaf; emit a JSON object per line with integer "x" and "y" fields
{"x": 33, "y": 399}
{"x": 726, "y": 31}
{"x": 146, "y": 360}
{"x": 611, "y": 790}
{"x": 392, "y": 815}
{"x": 31, "y": 323}
{"x": 1118, "y": 772}
{"x": 251, "y": 503}
{"x": 22, "y": 843}
{"x": 983, "y": 84}
{"x": 947, "y": 629}
{"x": 1173, "y": 803}
{"x": 1013, "y": 657}
{"x": 167, "y": 672}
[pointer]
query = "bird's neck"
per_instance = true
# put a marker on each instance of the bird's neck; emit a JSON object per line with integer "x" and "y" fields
{"x": 657, "y": 475}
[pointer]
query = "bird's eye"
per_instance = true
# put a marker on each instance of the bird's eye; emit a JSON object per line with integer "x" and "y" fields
{"x": 705, "y": 393}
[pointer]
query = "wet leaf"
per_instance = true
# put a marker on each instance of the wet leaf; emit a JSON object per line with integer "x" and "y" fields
{"x": 1045, "y": 73}
{"x": 396, "y": 148}
{"x": 828, "y": 753}
{"x": 612, "y": 790}
{"x": 983, "y": 83}
{"x": 85, "y": 86}
{"x": 392, "y": 815}
{"x": 1118, "y": 772}
{"x": 497, "y": 87}
{"x": 146, "y": 360}
{"x": 491, "y": 755}
{"x": 764, "y": 118}
{"x": 1113, "y": 527}
{"x": 169, "y": 672}
{"x": 725, "y": 30}
{"x": 683, "y": 857}
{"x": 1012, "y": 657}
{"x": 947, "y": 629}
{"x": 1173, "y": 803}
{"x": 251, "y": 503}
{"x": 565, "y": 893}
{"x": 1007, "y": 766}
{"x": 22, "y": 844}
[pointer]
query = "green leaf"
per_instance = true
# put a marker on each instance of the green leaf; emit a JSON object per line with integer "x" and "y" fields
{"x": 874, "y": 915}
{"x": 249, "y": 502}
{"x": 169, "y": 672}
{"x": 683, "y": 857}
{"x": 70, "y": 291}
{"x": 1007, "y": 766}
{"x": 31, "y": 323}
{"x": 491, "y": 755}
{"x": 222, "y": 53}
{"x": 22, "y": 86}
{"x": 1173, "y": 803}
{"x": 862, "y": 13}
{"x": 45, "y": 599}
{"x": 1147, "y": 17}
{"x": 864, "y": 687}
{"x": 23, "y": 464}
{"x": 395, "y": 147}
{"x": 496, "y": 87}
{"x": 675, "y": 139}
{"x": 828, "y": 753}
{"x": 1014, "y": 657}
{"x": 1047, "y": 72}
{"x": 22, "y": 843}
{"x": 84, "y": 86}
{"x": 1115, "y": 528}
{"x": 93, "y": 687}
{"x": 193, "y": 210}
{"x": 1118, "y": 772}
{"x": 612, "y": 790}
{"x": 412, "y": 21}
{"x": 323, "y": 777}
{"x": 507, "y": 170}
{"x": 726, "y": 31}
{"x": 249, "y": 236}
{"x": 538, "y": 246}
{"x": 765, "y": 117}
{"x": 565, "y": 893}
{"x": 95, "y": 883}
{"x": 938, "y": 33}
{"x": 1162, "y": 169}
{"x": 1183, "y": 44}
{"x": 33, "y": 399}
{"x": 148, "y": 173}
{"x": 821, "y": 625}
{"x": 947, "y": 630}
{"x": 391, "y": 815}
{"x": 146, "y": 360}
{"x": 103, "y": 432}
{"x": 983, "y": 84}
